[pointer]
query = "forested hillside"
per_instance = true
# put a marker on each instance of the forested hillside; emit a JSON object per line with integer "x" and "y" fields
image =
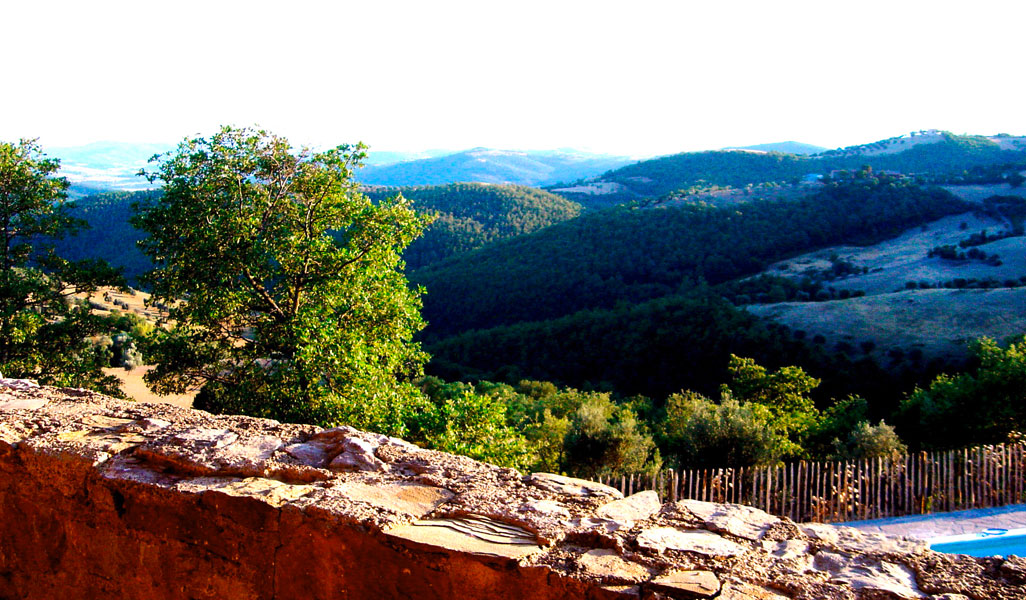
{"x": 628, "y": 254}
{"x": 940, "y": 158}
{"x": 492, "y": 166}
{"x": 470, "y": 215}
{"x": 656, "y": 348}
{"x": 109, "y": 236}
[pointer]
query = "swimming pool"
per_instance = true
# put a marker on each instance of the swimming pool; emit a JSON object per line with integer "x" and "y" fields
{"x": 992, "y": 542}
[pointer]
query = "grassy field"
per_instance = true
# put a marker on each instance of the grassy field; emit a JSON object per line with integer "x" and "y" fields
{"x": 939, "y": 323}
{"x": 904, "y": 258}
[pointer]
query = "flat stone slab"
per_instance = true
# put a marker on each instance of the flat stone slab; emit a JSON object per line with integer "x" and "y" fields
{"x": 409, "y": 498}
{"x": 636, "y": 507}
{"x": 699, "y": 541}
{"x": 862, "y": 572}
{"x": 545, "y": 507}
{"x": 609, "y": 564}
{"x": 745, "y": 591}
{"x": 688, "y": 584}
{"x": 561, "y": 484}
{"x": 474, "y": 535}
{"x": 742, "y": 521}
{"x": 23, "y": 403}
{"x": 850, "y": 539}
{"x": 275, "y": 493}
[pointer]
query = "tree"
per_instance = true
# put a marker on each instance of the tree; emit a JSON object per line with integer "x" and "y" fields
{"x": 984, "y": 405}
{"x": 698, "y": 432}
{"x": 284, "y": 283}
{"x": 43, "y": 330}
{"x": 785, "y": 393}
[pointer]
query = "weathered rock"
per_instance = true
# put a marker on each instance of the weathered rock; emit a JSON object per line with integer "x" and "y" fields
{"x": 560, "y": 484}
{"x": 357, "y": 455}
{"x": 611, "y": 567}
{"x": 850, "y": 539}
{"x": 600, "y": 525}
{"x": 22, "y": 403}
{"x": 545, "y": 507}
{"x": 787, "y": 549}
{"x": 637, "y": 507}
{"x": 862, "y": 572}
{"x": 413, "y": 499}
{"x": 475, "y": 535}
{"x": 741, "y": 521}
{"x": 270, "y": 491}
{"x": 698, "y": 541}
{"x": 114, "y": 499}
{"x": 733, "y": 590}
{"x": 688, "y": 584}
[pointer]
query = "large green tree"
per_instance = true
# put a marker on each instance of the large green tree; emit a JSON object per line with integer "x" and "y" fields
{"x": 985, "y": 405}
{"x": 284, "y": 283}
{"x": 43, "y": 330}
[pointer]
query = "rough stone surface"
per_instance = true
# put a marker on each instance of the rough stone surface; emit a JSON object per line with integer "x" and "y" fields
{"x": 608, "y": 564}
{"x": 475, "y": 535}
{"x": 746, "y": 591}
{"x": 101, "y": 498}
{"x": 850, "y": 539}
{"x": 636, "y": 507}
{"x": 571, "y": 486}
{"x": 741, "y": 521}
{"x": 863, "y": 572}
{"x": 689, "y": 584}
{"x": 699, "y": 541}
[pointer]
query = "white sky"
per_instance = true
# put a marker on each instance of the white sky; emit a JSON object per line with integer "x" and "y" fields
{"x": 622, "y": 77}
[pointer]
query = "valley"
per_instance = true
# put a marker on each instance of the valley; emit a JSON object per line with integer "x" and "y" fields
{"x": 857, "y": 275}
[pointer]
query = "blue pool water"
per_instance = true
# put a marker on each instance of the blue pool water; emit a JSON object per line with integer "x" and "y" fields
{"x": 992, "y": 542}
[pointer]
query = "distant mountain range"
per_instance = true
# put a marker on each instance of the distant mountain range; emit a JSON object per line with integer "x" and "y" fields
{"x": 484, "y": 165}
{"x": 105, "y": 165}
{"x": 114, "y": 166}
{"x": 931, "y": 155}
{"x": 594, "y": 179}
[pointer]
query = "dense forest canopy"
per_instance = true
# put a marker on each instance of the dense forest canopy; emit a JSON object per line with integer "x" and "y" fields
{"x": 470, "y": 215}
{"x": 627, "y": 254}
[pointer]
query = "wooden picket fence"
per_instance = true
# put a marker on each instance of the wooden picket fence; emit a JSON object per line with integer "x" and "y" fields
{"x": 979, "y": 477}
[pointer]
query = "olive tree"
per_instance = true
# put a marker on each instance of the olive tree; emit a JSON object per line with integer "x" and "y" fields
{"x": 284, "y": 283}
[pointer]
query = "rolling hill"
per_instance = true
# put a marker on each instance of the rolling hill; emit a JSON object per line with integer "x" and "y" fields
{"x": 484, "y": 165}
{"x": 935, "y": 156}
{"x": 471, "y": 215}
{"x": 626, "y": 254}
{"x": 468, "y": 216}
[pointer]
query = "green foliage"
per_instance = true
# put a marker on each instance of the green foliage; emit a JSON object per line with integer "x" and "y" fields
{"x": 110, "y": 235}
{"x": 43, "y": 332}
{"x": 981, "y": 406}
{"x": 470, "y": 215}
{"x": 869, "y": 441}
{"x": 698, "y": 432}
{"x": 630, "y": 255}
{"x": 284, "y": 284}
{"x": 606, "y": 439}
{"x": 472, "y": 422}
{"x": 785, "y": 393}
{"x": 665, "y": 174}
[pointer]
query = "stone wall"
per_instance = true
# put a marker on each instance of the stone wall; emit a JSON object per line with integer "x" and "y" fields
{"x": 108, "y": 499}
